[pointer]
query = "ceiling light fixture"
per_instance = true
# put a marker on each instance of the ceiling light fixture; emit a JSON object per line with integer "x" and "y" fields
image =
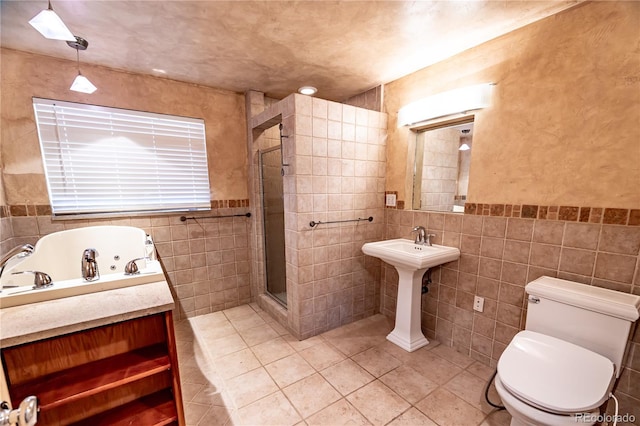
{"x": 81, "y": 83}
{"x": 49, "y": 24}
{"x": 464, "y": 147}
{"x": 308, "y": 90}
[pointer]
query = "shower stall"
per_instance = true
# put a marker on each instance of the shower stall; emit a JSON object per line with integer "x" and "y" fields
{"x": 321, "y": 162}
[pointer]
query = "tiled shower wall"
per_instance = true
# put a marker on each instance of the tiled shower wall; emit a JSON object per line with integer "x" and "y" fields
{"x": 206, "y": 260}
{"x": 336, "y": 157}
{"x": 499, "y": 256}
{"x": 340, "y": 175}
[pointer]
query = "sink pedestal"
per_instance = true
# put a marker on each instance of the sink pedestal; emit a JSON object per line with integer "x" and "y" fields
{"x": 411, "y": 260}
{"x": 407, "y": 332}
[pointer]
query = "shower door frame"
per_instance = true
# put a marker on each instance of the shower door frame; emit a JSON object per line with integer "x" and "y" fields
{"x": 264, "y": 231}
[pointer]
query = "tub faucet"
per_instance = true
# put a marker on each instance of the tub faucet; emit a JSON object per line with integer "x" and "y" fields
{"x": 89, "y": 265}
{"x": 20, "y": 251}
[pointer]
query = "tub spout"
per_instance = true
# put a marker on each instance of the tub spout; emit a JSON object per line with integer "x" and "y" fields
{"x": 20, "y": 251}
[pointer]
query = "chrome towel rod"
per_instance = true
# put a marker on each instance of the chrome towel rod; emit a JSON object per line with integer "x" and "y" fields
{"x": 314, "y": 223}
{"x": 184, "y": 218}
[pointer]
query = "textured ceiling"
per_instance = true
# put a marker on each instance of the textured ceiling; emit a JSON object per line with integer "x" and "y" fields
{"x": 341, "y": 47}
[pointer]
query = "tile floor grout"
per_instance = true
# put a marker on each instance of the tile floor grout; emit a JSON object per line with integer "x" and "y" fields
{"x": 240, "y": 367}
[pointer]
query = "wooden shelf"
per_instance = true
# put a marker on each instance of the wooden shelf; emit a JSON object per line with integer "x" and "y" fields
{"x": 157, "y": 409}
{"x": 73, "y": 384}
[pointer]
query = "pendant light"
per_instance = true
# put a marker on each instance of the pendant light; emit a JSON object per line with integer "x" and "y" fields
{"x": 81, "y": 83}
{"x": 49, "y": 24}
{"x": 464, "y": 146}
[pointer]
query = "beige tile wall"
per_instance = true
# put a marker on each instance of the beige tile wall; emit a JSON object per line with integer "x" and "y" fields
{"x": 340, "y": 175}
{"x": 371, "y": 99}
{"x": 207, "y": 262}
{"x": 499, "y": 256}
{"x": 336, "y": 157}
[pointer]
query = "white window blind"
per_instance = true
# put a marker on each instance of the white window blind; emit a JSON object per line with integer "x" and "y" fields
{"x": 101, "y": 160}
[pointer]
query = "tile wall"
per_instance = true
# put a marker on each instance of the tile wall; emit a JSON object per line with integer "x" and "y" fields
{"x": 336, "y": 157}
{"x": 340, "y": 175}
{"x": 371, "y": 99}
{"x": 499, "y": 256}
{"x": 207, "y": 261}
{"x": 6, "y": 232}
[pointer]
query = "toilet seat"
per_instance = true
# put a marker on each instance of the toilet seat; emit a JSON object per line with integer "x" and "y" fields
{"x": 554, "y": 375}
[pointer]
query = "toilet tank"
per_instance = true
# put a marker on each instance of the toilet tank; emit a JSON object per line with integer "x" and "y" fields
{"x": 595, "y": 318}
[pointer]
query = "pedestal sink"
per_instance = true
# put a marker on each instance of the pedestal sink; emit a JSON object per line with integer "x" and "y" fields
{"x": 411, "y": 261}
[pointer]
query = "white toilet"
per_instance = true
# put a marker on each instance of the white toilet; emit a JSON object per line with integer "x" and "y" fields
{"x": 562, "y": 367}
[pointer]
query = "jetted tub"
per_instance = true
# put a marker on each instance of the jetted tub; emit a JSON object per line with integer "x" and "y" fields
{"x": 60, "y": 256}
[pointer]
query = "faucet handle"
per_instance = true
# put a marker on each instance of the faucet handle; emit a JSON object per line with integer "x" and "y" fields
{"x": 40, "y": 279}
{"x": 131, "y": 268}
{"x": 90, "y": 254}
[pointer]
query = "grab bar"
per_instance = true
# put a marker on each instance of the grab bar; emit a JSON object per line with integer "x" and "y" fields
{"x": 184, "y": 218}
{"x": 314, "y": 223}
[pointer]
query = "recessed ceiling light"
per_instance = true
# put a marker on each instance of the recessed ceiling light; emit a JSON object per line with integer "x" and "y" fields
{"x": 307, "y": 90}
{"x": 159, "y": 71}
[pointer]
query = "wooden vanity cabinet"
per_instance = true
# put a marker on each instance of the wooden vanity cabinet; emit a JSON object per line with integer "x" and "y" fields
{"x": 124, "y": 373}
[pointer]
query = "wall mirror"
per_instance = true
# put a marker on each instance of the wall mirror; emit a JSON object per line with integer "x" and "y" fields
{"x": 441, "y": 166}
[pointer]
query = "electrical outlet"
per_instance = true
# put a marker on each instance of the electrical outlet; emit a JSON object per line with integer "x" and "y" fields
{"x": 478, "y": 303}
{"x": 390, "y": 200}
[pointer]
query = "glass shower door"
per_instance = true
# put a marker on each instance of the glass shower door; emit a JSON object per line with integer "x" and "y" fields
{"x": 273, "y": 214}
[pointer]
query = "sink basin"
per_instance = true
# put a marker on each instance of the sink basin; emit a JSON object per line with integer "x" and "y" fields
{"x": 407, "y": 254}
{"x": 411, "y": 261}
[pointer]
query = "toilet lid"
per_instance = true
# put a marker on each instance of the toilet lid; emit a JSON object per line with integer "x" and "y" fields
{"x": 553, "y": 374}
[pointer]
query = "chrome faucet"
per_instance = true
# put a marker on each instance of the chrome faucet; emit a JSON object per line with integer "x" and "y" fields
{"x": 40, "y": 279}
{"x": 131, "y": 268}
{"x": 422, "y": 237}
{"x": 427, "y": 240}
{"x": 89, "y": 265}
{"x": 20, "y": 251}
{"x": 421, "y": 234}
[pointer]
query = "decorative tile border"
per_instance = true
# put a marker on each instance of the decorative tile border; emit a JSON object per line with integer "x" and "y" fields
{"x": 609, "y": 216}
{"x": 20, "y": 210}
{"x": 223, "y": 204}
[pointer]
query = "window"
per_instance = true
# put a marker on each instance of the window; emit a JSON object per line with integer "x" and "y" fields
{"x": 101, "y": 160}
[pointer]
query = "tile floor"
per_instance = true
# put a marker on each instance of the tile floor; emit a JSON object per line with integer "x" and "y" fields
{"x": 239, "y": 367}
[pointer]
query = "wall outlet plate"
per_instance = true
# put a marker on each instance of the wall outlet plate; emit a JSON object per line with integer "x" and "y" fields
{"x": 478, "y": 303}
{"x": 390, "y": 200}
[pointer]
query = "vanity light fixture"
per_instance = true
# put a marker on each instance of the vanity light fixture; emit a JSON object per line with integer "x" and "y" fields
{"x": 49, "y": 24}
{"x": 446, "y": 103}
{"x": 307, "y": 90}
{"x": 81, "y": 83}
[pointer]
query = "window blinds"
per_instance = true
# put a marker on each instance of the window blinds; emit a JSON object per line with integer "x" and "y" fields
{"x": 101, "y": 160}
